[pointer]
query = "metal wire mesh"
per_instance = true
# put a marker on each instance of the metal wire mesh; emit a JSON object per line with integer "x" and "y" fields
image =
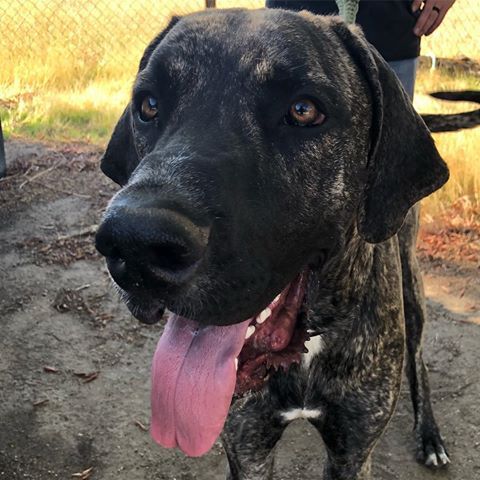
{"x": 114, "y": 31}
{"x": 84, "y": 32}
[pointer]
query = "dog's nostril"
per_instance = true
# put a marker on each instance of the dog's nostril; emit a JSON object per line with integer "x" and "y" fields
{"x": 171, "y": 256}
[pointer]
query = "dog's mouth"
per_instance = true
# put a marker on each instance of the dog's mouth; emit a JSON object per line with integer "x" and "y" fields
{"x": 197, "y": 369}
{"x": 274, "y": 339}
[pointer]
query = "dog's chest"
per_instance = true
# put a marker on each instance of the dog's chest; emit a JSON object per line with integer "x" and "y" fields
{"x": 314, "y": 347}
{"x": 305, "y": 409}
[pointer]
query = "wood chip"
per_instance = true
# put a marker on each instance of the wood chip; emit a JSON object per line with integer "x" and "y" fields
{"x": 85, "y": 475}
{"x": 87, "y": 377}
{"x": 39, "y": 403}
{"x": 49, "y": 369}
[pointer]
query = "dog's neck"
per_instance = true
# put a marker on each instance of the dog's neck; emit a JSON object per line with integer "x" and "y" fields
{"x": 337, "y": 288}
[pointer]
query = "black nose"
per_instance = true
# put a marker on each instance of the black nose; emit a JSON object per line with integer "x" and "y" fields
{"x": 150, "y": 247}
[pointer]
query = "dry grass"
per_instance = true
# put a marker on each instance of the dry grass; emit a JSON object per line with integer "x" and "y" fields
{"x": 459, "y": 149}
{"x": 67, "y": 68}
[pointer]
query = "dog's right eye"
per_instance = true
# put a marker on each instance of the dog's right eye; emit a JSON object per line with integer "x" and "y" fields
{"x": 304, "y": 113}
{"x": 148, "y": 108}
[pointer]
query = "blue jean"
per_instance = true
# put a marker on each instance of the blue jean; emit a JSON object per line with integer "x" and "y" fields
{"x": 405, "y": 71}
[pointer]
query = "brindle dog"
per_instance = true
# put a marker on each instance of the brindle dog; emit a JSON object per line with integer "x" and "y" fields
{"x": 268, "y": 160}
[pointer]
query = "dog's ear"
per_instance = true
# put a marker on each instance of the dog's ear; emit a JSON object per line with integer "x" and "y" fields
{"x": 120, "y": 157}
{"x": 155, "y": 42}
{"x": 404, "y": 165}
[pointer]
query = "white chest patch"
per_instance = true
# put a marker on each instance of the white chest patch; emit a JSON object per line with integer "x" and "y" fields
{"x": 295, "y": 413}
{"x": 314, "y": 346}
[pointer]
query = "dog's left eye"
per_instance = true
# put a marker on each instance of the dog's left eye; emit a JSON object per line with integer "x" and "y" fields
{"x": 304, "y": 113}
{"x": 149, "y": 108}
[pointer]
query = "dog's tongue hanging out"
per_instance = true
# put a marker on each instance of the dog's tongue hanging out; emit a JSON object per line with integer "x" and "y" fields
{"x": 194, "y": 369}
{"x": 193, "y": 380}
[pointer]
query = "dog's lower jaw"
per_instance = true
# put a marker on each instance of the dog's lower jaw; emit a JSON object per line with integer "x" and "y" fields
{"x": 148, "y": 313}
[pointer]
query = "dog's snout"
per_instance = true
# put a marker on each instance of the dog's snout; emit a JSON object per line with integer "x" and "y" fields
{"x": 150, "y": 247}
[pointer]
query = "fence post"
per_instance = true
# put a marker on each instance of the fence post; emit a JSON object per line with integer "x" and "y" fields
{"x": 210, "y": 3}
{"x": 3, "y": 162}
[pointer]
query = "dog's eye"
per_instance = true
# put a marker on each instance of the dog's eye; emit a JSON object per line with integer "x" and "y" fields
{"x": 149, "y": 108}
{"x": 304, "y": 113}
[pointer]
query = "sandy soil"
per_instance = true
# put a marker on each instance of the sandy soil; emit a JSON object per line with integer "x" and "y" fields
{"x": 74, "y": 365}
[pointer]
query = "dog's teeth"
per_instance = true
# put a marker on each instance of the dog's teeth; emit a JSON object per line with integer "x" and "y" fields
{"x": 236, "y": 364}
{"x": 264, "y": 315}
{"x": 276, "y": 299}
{"x": 250, "y": 331}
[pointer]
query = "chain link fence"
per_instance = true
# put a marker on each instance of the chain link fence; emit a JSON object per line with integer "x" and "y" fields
{"x": 66, "y": 66}
{"x": 80, "y": 35}
{"x": 105, "y": 34}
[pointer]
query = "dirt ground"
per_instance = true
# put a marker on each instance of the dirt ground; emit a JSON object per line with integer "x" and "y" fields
{"x": 74, "y": 365}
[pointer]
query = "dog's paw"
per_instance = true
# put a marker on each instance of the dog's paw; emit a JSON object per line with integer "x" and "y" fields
{"x": 431, "y": 449}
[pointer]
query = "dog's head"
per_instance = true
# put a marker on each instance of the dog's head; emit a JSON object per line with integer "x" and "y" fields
{"x": 254, "y": 144}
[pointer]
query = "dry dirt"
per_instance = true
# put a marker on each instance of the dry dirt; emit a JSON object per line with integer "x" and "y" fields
{"x": 74, "y": 365}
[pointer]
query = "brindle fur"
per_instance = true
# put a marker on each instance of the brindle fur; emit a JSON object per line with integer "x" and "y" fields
{"x": 333, "y": 198}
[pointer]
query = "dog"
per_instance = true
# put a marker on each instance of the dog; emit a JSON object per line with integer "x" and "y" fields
{"x": 455, "y": 121}
{"x": 271, "y": 165}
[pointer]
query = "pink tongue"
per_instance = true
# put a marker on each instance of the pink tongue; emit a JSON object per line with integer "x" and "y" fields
{"x": 193, "y": 380}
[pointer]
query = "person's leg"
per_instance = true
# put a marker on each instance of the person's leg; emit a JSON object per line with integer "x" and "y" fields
{"x": 406, "y": 71}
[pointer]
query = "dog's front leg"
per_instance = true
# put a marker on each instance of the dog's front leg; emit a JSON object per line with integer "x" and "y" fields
{"x": 352, "y": 425}
{"x": 249, "y": 437}
{"x": 342, "y": 471}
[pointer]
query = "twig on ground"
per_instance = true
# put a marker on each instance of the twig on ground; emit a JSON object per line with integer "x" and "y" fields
{"x": 456, "y": 391}
{"x": 40, "y": 174}
{"x": 48, "y": 369}
{"x": 9, "y": 177}
{"x": 85, "y": 475}
{"x": 28, "y": 170}
{"x": 60, "y": 190}
{"x": 85, "y": 231}
{"x": 466, "y": 321}
{"x": 140, "y": 425}
{"x": 87, "y": 377}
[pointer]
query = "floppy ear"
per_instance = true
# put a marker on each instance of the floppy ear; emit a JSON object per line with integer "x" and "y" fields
{"x": 120, "y": 157}
{"x": 404, "y": 164}
{"x": 156, "y": 41}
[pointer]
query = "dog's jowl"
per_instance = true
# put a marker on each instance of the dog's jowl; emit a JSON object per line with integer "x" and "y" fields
{"x": 268, "y": 160}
